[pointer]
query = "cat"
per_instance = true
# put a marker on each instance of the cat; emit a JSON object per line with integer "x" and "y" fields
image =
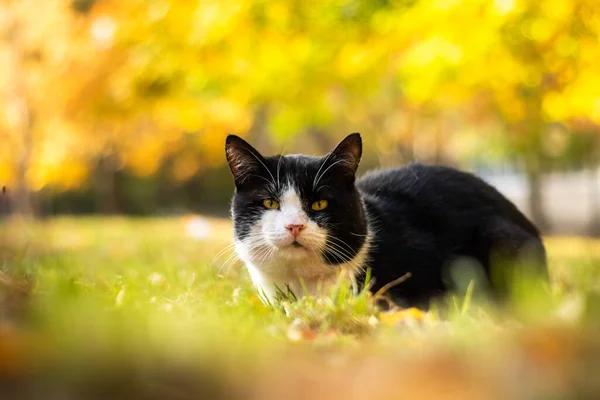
{"x": 299, "y": 221}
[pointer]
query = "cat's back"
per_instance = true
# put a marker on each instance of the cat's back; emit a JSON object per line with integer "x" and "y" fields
{"x": 417, "y": 180}
{"x": 391, "y": 182}
{"x": 437, "y": 191}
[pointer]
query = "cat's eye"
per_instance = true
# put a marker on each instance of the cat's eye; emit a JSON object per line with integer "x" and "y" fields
{"x": 319, "y": 205}
{"x": 271, "y": 204}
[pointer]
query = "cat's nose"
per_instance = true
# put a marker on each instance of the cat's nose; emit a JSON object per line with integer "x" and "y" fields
{"x": 295, "y": 229}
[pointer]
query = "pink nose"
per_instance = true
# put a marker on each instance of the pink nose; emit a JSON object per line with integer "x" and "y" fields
{"x": 295, "y": 229}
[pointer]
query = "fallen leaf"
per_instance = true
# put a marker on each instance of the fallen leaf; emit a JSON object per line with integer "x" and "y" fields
{"x": 408, "y": 315}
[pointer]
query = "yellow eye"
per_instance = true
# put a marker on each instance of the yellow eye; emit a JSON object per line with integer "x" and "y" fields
{"x": 271, "y": 204}
{"x": 319, "y": 205}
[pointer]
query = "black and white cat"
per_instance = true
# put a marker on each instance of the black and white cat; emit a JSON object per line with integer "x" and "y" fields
{"x": 301, "y": 220}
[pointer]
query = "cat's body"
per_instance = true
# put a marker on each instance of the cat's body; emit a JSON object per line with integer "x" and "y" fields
{"x": 300, "y": 220}
{"x": 432, "y": 216}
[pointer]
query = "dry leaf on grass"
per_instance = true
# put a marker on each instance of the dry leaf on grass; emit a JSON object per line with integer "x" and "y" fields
{"x": 408, "y": 316}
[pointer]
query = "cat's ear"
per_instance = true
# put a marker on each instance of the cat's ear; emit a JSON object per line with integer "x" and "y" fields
{"x": 348, "y": 152}
{"x": 243, "y": 159}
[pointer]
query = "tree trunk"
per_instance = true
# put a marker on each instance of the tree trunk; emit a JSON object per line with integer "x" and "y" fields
{"x": 107, "y": 186}
{"x": 594, "y": 226}
{"x": 4, "y": 202}
{"x": 20, "y": 118}
{"x": 22, "y": 200}
{"x": 258, "y": 130}
{"x": 166, "y": 193}
{"x": 535, "y": 182}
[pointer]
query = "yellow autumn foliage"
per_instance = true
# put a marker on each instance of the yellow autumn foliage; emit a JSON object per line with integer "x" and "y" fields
{"x": 136, "y": 77}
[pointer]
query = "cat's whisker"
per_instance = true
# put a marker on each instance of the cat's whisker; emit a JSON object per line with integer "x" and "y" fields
{"x": 226, "y": 262}
{"x": 322, "y": 187}
{"x": 256, "y": 245}
{"x": 351, "y": 251}
{"x": 278, "y": 168}
{"x": 263, "y": 164}
{"x": 222, "y": 252}
{"x": 350, "y": 262}
{"x": 339, "y": 250}
{"x": 357, "y": 234}
{"x": 230, "y": 266}
{"x": 267, "y": 254}
{"x": 338, "y": 260}
{"x": 347, "y": 257}
{"x": 259, "y": 255}
{"x": 327, "y": 169}
{"x": 342, "y": 258}
{"x": 328, "y": 259}
{"x": 319, "y": 170}
{"x": 230, "y": 260}
{"x": 259, "y": 249}
{"x": 341, "y": 242}
{"x": 261, "y": 177}
{"x": 338, "y": 253}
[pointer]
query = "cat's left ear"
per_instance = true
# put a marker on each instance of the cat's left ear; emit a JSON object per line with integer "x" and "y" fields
{"x": 348, "y": 152}
{"x": 243, "y": 159}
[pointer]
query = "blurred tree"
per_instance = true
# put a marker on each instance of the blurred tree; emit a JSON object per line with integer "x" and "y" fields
{"x": 151, "y": 87}
{"x": 548, "y": 58}
{"x": 18, "y": 119}
{"x": 528, "y": 59}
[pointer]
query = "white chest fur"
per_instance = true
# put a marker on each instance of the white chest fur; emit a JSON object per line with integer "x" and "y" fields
{"x": 303, "y": 276}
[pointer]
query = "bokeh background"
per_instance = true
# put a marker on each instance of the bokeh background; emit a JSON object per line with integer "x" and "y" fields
{"x": 120, "y": 108}
{"x": 113, "y": 106}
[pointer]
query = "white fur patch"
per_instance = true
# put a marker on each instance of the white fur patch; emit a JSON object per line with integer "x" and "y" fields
{"x": 274, "y": 263}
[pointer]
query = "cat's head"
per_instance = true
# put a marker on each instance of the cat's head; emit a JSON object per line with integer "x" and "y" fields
{"x": 297, "y": 208}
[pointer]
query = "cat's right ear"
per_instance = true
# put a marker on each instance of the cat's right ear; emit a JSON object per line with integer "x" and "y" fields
{"x": 243, "y": 159}
{"x": 349, "y": 152}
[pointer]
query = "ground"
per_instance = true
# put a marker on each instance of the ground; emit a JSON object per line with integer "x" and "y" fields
{"x": 158, "y": 308}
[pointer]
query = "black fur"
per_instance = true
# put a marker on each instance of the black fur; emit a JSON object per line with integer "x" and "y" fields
{"x": 429, "y": 216}
{"x": 421, "y": 218}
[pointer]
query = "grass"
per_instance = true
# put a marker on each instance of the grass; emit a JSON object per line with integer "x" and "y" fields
{"x": 141, "y": 308}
